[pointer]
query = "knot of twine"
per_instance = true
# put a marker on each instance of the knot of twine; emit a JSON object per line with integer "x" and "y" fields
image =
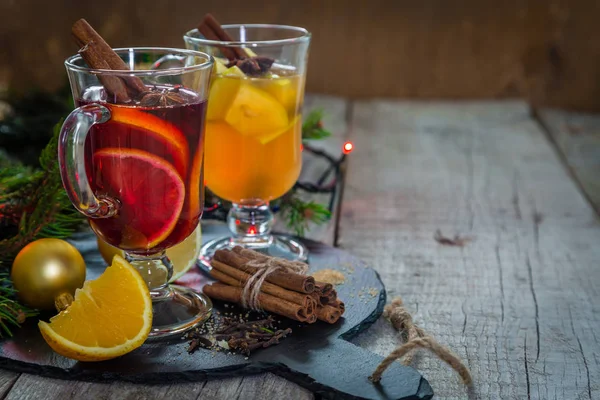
{"x": 415, "y": 338}
{"x": 265, "y": 268}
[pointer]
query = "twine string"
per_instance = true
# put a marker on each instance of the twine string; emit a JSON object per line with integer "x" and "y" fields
{"x": 415, "y": 338}
{"x": 265, "y": 268}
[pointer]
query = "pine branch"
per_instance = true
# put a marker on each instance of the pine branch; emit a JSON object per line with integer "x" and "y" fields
{"x": 300, "y": 214}
{"x": 34, "y": 204}
{"x": 12, "y": 313}
{"x": 312, "y": 128}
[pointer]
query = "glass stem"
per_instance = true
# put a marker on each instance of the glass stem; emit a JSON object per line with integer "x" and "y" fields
{"x": 156, "y": 270}
{"x": 251, "y": 223}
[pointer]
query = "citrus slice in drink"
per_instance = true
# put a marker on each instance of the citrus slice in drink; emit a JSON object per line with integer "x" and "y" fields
{"x": 183, "y": 255}
{"x": 222, "y": 92}
{"x": 285, "y": 90}
{"x": 110, "y": 316}
{"x": 150, "y": 192}
{"x": 270, "y": 136}
{"x": 254, "y": 111}
{"x": 138, "y": 129}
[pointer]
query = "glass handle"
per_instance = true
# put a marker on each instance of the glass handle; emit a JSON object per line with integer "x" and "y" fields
{"x": 71, "y": 158}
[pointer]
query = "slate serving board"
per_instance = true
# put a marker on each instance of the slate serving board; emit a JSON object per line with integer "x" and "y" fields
{"x": 317, "y": 357}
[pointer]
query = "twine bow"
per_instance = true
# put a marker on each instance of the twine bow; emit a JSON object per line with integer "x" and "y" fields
{"x": 415, "y": 338}
{"x": 266, "y": 267}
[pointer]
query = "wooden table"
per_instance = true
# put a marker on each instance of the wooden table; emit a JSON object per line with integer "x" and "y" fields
{"x": 520, "y": 303}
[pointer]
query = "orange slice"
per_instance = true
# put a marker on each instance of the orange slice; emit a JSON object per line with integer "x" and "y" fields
{"x": 222, "y": 92}
{"x": 254, "y": 111}
{"x": 268, "y": 137}
{"x": 145, "y": 125}
{"x": 111, "y": 316}
{"x": 151, "y": 195}
{"x": 285, "y": 90}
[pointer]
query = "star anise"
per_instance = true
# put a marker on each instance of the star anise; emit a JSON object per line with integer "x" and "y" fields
{"x": 162, "y": 97}
{"x": 253, "y": 66}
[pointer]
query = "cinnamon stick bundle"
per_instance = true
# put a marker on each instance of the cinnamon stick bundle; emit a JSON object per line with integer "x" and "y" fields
{"x": 99, "y": 55}
{"x": 288, "y": 280}
{"x": 269, "y": 303}
{"x": 235, "y": 277}
{"x": 232, "y": 271}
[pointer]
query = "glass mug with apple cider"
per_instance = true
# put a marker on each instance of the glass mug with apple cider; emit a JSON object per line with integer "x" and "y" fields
{"x": 254, "y": 129}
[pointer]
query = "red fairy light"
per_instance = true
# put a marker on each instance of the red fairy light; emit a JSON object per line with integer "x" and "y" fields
{"x": 252, "y": 230}
{"x": 347, "y": 148}
{"x": 301, "y": 147}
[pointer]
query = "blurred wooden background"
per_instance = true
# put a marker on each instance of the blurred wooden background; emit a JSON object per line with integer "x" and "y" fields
{"x": 544, "y": 51}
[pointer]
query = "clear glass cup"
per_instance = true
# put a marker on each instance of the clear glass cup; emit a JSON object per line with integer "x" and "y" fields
{"x": 254, "y": 131}
{"x": 134, "y": 165}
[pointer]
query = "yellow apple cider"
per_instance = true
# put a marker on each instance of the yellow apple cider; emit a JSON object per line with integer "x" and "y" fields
{"x": 253, "y": 135}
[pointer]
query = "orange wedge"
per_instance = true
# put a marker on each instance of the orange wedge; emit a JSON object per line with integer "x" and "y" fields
{"x": 111, "y": 316}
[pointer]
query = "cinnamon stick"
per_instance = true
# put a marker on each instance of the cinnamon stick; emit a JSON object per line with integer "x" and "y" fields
{"x": 311, "y": 318}
{"x": 211, "y": 29}
{"x": 289, "y": 280}
{"x": 328, "y": 314}
{"x": 320, "y": 300}
{"x": 332, "y": 296}
{"x": 324, "y": 293}
{"x": 286, "y": 264}
{"x": 269, "y": 303}
{"x": 255, "y": 255}
{"x": 235, "y": 277}
{"x": 99, "y": 55}
{"x": 113, "y": 85}
{"x": 339, "y": 305}
{"x": 323, "y": 288}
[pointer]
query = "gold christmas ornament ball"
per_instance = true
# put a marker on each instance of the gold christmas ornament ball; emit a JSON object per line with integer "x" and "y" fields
{"x": 45, "y": 269}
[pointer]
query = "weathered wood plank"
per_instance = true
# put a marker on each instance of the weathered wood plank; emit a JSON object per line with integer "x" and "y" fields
{"x": 254, "y": 387}
{"x": 36, "y": 387}
{"x": 577, "y": 137}
{"x": 7, "y": 380}
{"x": 249, "y": 387}
{"x": 519, "y": 303}
{"x": 335, "y": 120}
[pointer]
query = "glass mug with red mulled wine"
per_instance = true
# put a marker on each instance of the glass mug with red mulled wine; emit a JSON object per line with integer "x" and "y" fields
{"x": 131, "y": 158}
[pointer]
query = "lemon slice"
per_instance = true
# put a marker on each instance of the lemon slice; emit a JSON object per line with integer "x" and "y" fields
{"x": 111, "y": 316}
{"x": 183, "y": 256}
